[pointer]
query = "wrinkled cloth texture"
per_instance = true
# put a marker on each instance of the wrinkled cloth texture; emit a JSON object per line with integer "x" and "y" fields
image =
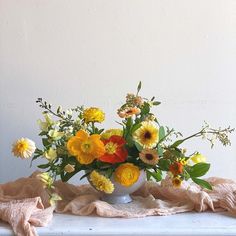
{"x": 24, "y": 203}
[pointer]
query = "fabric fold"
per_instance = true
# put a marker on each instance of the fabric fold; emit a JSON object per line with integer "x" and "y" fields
{"x": 24, "y": 203}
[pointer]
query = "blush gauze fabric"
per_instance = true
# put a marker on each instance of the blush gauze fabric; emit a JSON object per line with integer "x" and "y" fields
{"x": 24, "y": 203}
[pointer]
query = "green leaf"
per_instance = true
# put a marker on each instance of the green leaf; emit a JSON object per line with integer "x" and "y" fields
{"x": 109, "y": 173}
{"x": 176, "y": 152}
{"x": 156, "y": 103}
{"x": 45, "y": 142}
{"x": 202, "y": 183}
{"x": 129, "y": 140}
{"x": 199, "y": 169}
{"x": 129, "y": 123}
{"x": 164, "y": 164}
{"x": 42, "y": 133}
{"x": 44, "y": 166}
{"x": 157, "y": 175}
{"x": 160, "y": 151}
{"x": 177, "y": 143}
{"x": 85, "y": 175}
{"x": 135, "y": 127}
{"x": 145, "y": 109}
{"x": 139, "y": 87}
{"x": 161, "y": 133}
{"x": 138, "y": 146}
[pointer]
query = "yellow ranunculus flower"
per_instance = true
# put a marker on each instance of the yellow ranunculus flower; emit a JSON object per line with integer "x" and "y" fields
{"x": 100, "y": 182}
{"x": 93, "y": 114}
{"x": 127, "y": 174}
{"x": 108, "y": 133}
{"x": 85, "y": 148}
{"x": 198, "y": 158}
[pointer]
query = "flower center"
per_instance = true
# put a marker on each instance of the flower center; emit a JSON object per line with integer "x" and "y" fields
{"x": 149, "y": 156}
{"x": 86, "y": 147}
{"x": 129, "y": 112}
{"x": 110, "y": 148}
{"x": 147, "y": 135}
{"x": 22, "y": 146}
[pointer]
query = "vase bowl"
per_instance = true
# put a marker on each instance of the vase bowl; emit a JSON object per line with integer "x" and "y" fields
{"x": 121, "y": 194}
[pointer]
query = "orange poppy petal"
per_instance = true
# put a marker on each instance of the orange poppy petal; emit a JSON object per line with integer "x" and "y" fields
{"x": 81, "y": 134}
{"x": 73, "y": 146}
{"x": 120, "y": 141}
{"x": 84, "y": 158}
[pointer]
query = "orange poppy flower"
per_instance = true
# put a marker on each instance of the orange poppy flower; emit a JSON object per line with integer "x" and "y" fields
{"x": 176, "y": 168}
{"x": 115, "y": 151}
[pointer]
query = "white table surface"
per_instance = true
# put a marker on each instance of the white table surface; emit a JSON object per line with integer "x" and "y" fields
{"x": 185, "y": 224}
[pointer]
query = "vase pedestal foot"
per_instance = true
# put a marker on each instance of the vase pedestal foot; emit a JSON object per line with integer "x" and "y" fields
{"x": 118, "y": 199}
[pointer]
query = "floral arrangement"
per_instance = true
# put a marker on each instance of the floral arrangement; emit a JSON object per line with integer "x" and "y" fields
{"x": 73, "y": 142}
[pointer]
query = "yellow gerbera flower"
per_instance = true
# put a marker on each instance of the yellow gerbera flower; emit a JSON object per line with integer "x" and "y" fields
{"x": 101, "y": 183}
{"x": 23, "y": 148}
{"x": 127, "y": 174}
{"x": 146, "y": 135}
{"x": 93, "y": 114}
{"x": 149, "y": 156}
{"x": 85, "y": 148}
{"x": 108, "y": 133}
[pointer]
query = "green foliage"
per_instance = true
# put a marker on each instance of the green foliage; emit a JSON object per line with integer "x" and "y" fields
{"x": 199, "y": 169}
{"x": 156, "y": 174}
{"x": 161, "y": 133}
{"x": 68, "y": 122}
{"x": 202, "y": 183}
{"x": 164, "y": 164}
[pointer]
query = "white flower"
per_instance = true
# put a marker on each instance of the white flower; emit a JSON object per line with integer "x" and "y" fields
{"x": 69, "y": 112}
{"x": 44, "y": 125}
{"x": 46, "y": 180}
{"x": 51, "y": 154}
{"x": 56, "y": 135}
{"x": 23, "y": 148}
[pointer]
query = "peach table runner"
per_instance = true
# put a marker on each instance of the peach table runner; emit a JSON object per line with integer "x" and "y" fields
{"x": 24, "y": 202}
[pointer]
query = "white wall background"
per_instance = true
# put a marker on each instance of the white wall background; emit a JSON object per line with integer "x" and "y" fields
{"x": 75, "y": 52}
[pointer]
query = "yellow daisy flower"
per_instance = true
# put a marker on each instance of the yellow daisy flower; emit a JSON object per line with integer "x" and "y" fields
{"x": 176, "y": 181}
{"x": 127, "y": 174}
{"x": 147, "y": 135}
{"x": 23, "y": 148}
{"x": 93, "y": 114}
{"x": 101, "y": 183}
{"x": 85, "y": 148}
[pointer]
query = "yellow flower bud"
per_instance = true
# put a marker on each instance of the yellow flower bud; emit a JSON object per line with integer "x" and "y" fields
{"x": 198, "y": 158}
{"x": 69, "y": 168}
{"x": 51, "y": 154}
